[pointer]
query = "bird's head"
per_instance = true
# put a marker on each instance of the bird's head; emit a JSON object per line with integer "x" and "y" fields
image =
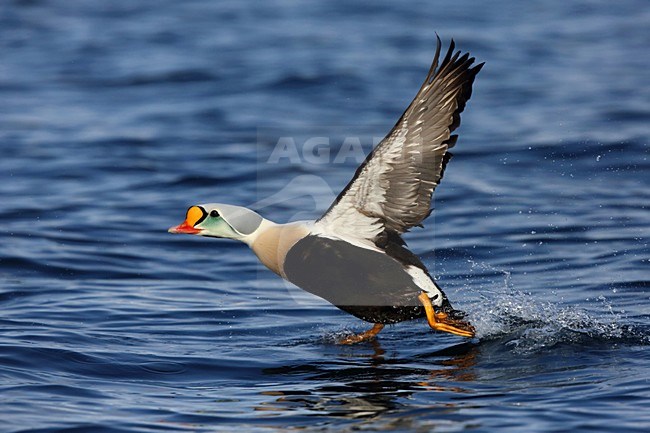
{"x": 219, "y": 221}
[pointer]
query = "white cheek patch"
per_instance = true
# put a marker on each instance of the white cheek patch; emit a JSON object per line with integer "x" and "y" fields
{"x": 423, "y": 281}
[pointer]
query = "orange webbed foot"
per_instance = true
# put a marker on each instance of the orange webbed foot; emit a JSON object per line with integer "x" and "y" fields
{"x": 441, "y": 321}
{"x": 364, "y": 336}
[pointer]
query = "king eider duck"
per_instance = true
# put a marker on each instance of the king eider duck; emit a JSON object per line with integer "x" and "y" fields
{"x": 354, "y": 256}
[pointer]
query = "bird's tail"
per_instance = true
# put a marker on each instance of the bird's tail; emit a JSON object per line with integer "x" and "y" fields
{"x": 447, "y": 308}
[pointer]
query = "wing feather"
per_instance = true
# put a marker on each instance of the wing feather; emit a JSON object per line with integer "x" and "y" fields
{"x": 392, "y": 188}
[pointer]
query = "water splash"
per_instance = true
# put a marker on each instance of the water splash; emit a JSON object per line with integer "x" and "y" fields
{"x": 525, "y": 324}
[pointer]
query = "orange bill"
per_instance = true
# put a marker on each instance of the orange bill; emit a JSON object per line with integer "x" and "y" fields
{"x": 194, "y": 215}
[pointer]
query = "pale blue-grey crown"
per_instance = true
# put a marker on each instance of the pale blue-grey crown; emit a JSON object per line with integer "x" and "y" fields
{"x": 241, "y": 219}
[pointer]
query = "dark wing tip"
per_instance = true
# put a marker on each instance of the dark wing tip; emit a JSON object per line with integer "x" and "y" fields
{"x": 463, "y": 75}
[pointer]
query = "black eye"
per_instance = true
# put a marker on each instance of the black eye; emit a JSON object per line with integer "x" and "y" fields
{"x": 214, "y": 214}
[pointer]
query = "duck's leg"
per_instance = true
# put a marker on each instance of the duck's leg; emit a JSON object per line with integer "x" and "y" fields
{"x": 441, "y": 321}
{"x": 364, "y": 336}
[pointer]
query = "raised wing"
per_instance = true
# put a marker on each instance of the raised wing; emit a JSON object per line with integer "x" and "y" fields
{"x": 392, "y": 188}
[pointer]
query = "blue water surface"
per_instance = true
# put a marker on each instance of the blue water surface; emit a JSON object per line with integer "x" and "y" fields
{"x": 116, "y": 116}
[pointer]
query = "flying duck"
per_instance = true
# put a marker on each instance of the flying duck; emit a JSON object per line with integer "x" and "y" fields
{"x": 354, "y": 256}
